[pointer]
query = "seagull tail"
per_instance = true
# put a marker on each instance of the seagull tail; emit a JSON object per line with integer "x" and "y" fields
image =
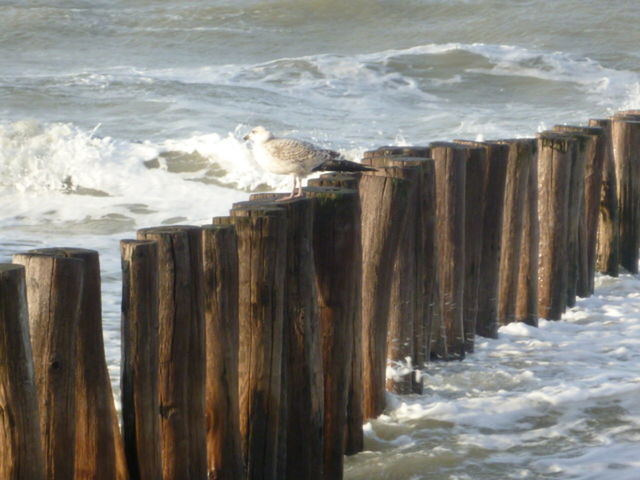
{"x": 342, "y": 166}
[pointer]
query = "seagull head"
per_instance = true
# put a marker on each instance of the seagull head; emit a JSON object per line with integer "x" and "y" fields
{"x": 258, "y": 135}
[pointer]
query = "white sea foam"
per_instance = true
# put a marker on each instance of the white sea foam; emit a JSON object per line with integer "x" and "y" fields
{"x": 559, "y": 399}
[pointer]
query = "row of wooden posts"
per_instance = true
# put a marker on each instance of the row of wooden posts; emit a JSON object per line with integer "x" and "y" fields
{"x": 256, "y": 347}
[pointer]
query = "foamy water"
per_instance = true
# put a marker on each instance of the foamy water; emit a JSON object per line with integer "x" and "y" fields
{"x": 119, "y": 115}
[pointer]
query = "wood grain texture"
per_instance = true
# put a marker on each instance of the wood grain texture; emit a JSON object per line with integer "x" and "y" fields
{"x": 555, "y": 156}
{"x": 383, "y": 199}
{"x": 336, "y": 248}
{"x": 182, "y": 350}
{"x": 54, "y": 294}
{"x": 140, "y": 358}
{"x": 450, "y": 167}
{"x": 608, "y": 232}
{"x": 21, "y": 456}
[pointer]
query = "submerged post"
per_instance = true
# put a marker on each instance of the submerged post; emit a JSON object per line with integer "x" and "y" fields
{"x": 477, "y": 169}
{"x": 450, "y": 169}
{"x": 21, "y": 456}
{"x": 595, "y": 145}
{"x": 182, "y": 350}
{"x": 383, "y": 198}
{"x": 625, "y": 133}
{"x": 140, "y": 354}
{"x": 521, "y": 155}
{"x": 608, "y": 233}
{"x": 555, "y": 156}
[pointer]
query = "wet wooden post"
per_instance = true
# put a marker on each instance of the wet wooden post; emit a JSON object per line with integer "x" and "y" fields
{"x": 140, "y": 354}
{"x": 492, "y": 221}
{"x": 519, "y": 164}
{"x": 220, "y": 270}
{"x": 527, "y": 297}
{"x": 355, "y": 415}
{"x": 182, "y": 350}
{"x": 555, "y": 158}
{"x": 21, "y": 456}
{"x": 406, "y": 298}
{"x": 383, "y": 199}
{"x": 54, "y": 294}
{"x": 588, "y": 224}
{"x": 625, "y": 133}
{"x": 450, "y": 169}
{"x": 303, "y": 360}
{"x": 607, "y": 254}
{"x": 336, "y": 249}
{"x": 477, "y": 169}
{"x": 262, "y": 235}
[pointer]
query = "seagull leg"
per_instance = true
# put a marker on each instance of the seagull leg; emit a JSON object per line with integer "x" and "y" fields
{"x": 292, "y": 194}
{"x": 300, "y": 192}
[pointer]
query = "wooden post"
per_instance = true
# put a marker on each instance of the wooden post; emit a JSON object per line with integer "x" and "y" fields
{"x": 625, "y": 132}
{"x": 555, "y": 157}
{"x": 336, "y": 249}
{"x": 262, "y": 251}
{"x": 521, "y": 155}
{"x": 220, "y": 268}
{"x": 140, "y": 354}
{"x": 303, "y": 360}
{"x": 477, "y": 169}
{"x": 607, "y": 256}
{"x": 406, "y": 299}
{"x": 588, "y": 223}
{"x": 493, "y": 193}
{"x": 527, "y": 297}
{"x": 182, "y": 350}
{"x": 450, "y": 168}
{"x": 395, "y": 151}
{"x": 54, "y": 293}
{"x": 21, "y": 456}
{"x": 355, "y": 414}
{"x": 383, "y": 199}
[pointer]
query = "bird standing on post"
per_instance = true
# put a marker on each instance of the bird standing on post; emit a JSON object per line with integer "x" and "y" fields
{"x": 288, "y": 156}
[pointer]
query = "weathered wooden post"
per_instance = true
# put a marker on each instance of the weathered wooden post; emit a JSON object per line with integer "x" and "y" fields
{"x": 527, "y": 297}
{"x": 140, "y": 354}
{"x": 21, "y": 456}
{"x": 477, "y": 169}
{"x": 397, "y": 151}
{"x": 182, "y": 350}
{"x": 220, "y": 269}
{"x": 99, "y": 446}
{"x": 450, "y": 169}
{"x": 54, "y": 294}
{"x": 407, "y": 302}
{"x": 521, "y": 155}
{"x": 492, "y": 220}
{"x": 355, "y": 414}
{"x": 262, "y": 247}
{"x": 303, "y": 399}
{"x": 608, "y": 232}
{"x": 588, "y": 224}
{"x": 556, "y": 154}
{"x": 625, "y": 133}
{"x": 336, "y": 249}
{"x": 383, "y": 199}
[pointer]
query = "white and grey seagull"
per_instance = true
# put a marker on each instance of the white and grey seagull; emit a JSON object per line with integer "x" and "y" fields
{"x": 288, "y": 156}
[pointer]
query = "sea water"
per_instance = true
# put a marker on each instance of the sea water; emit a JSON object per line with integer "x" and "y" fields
{"x": 117, "y": 115}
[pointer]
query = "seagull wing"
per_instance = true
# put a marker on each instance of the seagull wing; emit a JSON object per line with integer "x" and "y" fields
{"x": 302, "y": 156}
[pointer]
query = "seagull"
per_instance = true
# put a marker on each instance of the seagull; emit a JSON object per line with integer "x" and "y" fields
{"x": 288, "y": 156}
